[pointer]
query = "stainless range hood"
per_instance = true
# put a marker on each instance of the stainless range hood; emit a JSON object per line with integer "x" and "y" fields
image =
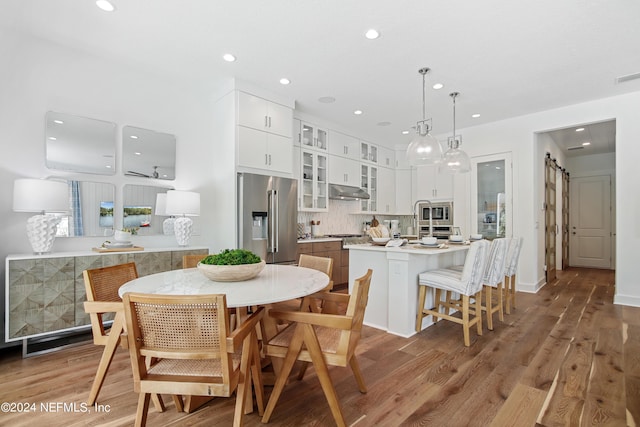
{"x": 347, "y": 192}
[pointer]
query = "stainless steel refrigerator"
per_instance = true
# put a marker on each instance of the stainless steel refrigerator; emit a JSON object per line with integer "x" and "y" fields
{"x": 268, "y": 216}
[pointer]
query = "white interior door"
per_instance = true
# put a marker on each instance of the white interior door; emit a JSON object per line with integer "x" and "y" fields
{"x": 590, "y": 232}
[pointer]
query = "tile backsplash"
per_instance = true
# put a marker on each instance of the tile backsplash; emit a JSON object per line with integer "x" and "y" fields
{"x": 343, "y": 217}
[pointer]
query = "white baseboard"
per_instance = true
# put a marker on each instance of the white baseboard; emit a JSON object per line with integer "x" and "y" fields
{"x": 630, "y": 300}
{"x": 531, "y": 288}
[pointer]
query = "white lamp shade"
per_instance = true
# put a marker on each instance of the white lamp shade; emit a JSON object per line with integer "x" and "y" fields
{"x": 40, "y": 195}
{"x": 161, "y": 204}
{"x": 184, "y": 203}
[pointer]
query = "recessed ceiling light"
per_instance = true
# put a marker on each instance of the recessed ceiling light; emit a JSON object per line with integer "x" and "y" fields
{"x": 133, "y": 137}
{"x": 284, "y": 81}
{"x": 108, "y": 166}
{"x": 586, "y": 143}
{"x": 228, "y": 57}
{"x": 372, "y": 34}
{"x": 58, "y": 122}
{"x": 53, "y": 138}
{"x": 405, "y": 132}
{"x": 137, "y": 153}
{"x": 438, "y": 86}
{"x": 384, "y": 123}
{"x": 357, "y": 112}
{"x": 475, "y": 116}
{"x": 579, "y": 129}
{"x": 105, "y": 5}
{"x": 327, "y": 99}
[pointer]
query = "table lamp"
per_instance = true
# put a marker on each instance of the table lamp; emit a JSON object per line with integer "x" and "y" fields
{"x": 161, "y": 210}
{"x": 44, "y": 196}
{"x": 183, "y": 204}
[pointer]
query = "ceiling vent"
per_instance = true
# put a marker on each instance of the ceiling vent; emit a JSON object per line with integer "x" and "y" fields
{"x": 628, "y": 77}
{"x": 579, "y": 147}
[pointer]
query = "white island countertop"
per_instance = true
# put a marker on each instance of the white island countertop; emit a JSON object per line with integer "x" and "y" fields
{"x": 393, "y": 293}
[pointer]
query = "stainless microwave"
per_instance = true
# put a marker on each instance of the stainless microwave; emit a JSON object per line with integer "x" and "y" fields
{"x": 441, "y": 212}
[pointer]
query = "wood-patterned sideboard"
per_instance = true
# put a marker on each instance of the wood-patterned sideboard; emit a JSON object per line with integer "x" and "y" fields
{"x": 45, "y": 293}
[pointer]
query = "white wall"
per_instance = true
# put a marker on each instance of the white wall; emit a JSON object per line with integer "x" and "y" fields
{"x": 518, "y": 135}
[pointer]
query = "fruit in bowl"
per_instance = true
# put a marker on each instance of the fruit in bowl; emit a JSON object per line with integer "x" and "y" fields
{"x": 231, "y": 265}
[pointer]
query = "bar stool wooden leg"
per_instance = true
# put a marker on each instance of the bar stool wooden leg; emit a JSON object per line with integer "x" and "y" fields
{"x": 422, "y": 296}
{"x": 487, "y": 306}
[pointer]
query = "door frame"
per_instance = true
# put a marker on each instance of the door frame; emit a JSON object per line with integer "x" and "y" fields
{"x": 508, "y": 189}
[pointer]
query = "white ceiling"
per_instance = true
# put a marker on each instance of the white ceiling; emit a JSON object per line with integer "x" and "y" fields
{"x": 506, "y": 58}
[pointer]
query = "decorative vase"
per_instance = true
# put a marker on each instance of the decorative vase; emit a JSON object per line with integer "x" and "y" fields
{"x": 122, "y": 236}
{"x": 183, "y": 227}
{"x": 41, "y": 231}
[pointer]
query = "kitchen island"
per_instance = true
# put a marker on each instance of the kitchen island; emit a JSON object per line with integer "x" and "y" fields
{"x": 393, "y": 295}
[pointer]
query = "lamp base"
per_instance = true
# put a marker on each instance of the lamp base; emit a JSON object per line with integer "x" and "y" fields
{"x": 41, "y": 231}
{"x": 183, "y": 228}
{"x": 168, "y": 226}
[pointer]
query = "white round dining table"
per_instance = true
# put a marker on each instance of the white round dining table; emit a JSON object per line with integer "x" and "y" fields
{"x": 275, "y": 283}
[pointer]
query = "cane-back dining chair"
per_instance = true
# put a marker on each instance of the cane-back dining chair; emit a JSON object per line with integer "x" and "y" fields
{"x": 191, "y": 261}
{"x": 182, "y": 344}
{"x": 323, "y": 339}
{"x": 101, "y": 285}
{"x": 467, "y": 282}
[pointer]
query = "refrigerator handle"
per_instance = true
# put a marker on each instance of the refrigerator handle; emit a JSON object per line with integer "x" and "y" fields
{"x": 276, "y": 221}
{"x": 269, "y": 221}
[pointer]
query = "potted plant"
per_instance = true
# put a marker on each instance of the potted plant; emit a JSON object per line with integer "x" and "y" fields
{"x": 231, "y": 265}
{"x": 125, "y": 234}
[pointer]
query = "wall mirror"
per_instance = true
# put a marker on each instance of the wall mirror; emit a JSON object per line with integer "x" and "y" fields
{"x": 148, "y": 154}
{"x": 90, "y": 210}
{"x": 139, "y": 209}
{"x": 80, "y": 144}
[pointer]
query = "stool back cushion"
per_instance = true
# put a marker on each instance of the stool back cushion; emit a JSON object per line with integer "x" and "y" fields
{"x": 494, "y": 270}
{"x": 474, "y": 265}
{"x": 514, "y": 254}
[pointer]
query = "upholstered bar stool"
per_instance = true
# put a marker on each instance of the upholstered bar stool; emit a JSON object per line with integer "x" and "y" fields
{"x": 467, "y": 283}
{"x": 493, "y": 278}
{"x": 510, "y": 273}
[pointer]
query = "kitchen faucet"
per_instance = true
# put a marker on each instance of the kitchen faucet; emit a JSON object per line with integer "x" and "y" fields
{"x": 416, "y": 216}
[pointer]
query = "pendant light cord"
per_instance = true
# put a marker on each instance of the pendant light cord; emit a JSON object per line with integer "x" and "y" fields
{"x": 454, "y": 142}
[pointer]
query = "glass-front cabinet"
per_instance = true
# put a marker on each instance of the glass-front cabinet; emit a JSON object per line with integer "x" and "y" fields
{"x": 314, "y": 189}
{"x": 369, "y": 182}
{"x": 314, "y": 137}
{"x": 368, "y": 152}
{"x": 492, "y": 182}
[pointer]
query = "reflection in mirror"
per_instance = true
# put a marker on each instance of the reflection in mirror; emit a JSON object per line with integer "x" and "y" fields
{"x": 148, "y": 154}
{"x": 139, "y": 207}
{"x": 90, "y": 208}
{"x": 79, "y": 144}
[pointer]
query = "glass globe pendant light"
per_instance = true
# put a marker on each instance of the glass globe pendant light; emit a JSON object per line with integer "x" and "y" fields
{"x": 455, "y": 160}
{"x": 424, "y": 149}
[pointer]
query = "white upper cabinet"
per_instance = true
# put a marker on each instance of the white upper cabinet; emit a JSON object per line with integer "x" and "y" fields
{"x": 386, "y": 191}
{"x": 432, "y": 185}
{"x": 369, "y": 183}
{"x": 297, "y": 132}
{"x": 258, "y": 113}
{"x": 401, "y": 159}
{"x": 262, "y": 150}
{"x": 403, "y": 194}
{"x": 386, "y": 157}
{"x": 313, "y": 188}
{"x": 344, "y": 145}
{"x": 312, "y": 136}
{"x": 368, "y": 152}
{"x": 344, "y": 171}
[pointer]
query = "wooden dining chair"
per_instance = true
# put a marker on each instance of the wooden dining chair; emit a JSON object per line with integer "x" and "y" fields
{"x": 182, "y": 344}
{"x": 191, "y": 261}
{"x": 324, "y": 264}
{"x": 101, "y": 285}
{"x": 466, "y": 282}
{"x": 323, "y": 339}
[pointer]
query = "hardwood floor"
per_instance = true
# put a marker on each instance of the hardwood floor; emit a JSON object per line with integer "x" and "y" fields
{"x": 565, "y": 356}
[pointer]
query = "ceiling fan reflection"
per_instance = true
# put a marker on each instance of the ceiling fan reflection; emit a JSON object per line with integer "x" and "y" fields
{"x": 155, "y": 173}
